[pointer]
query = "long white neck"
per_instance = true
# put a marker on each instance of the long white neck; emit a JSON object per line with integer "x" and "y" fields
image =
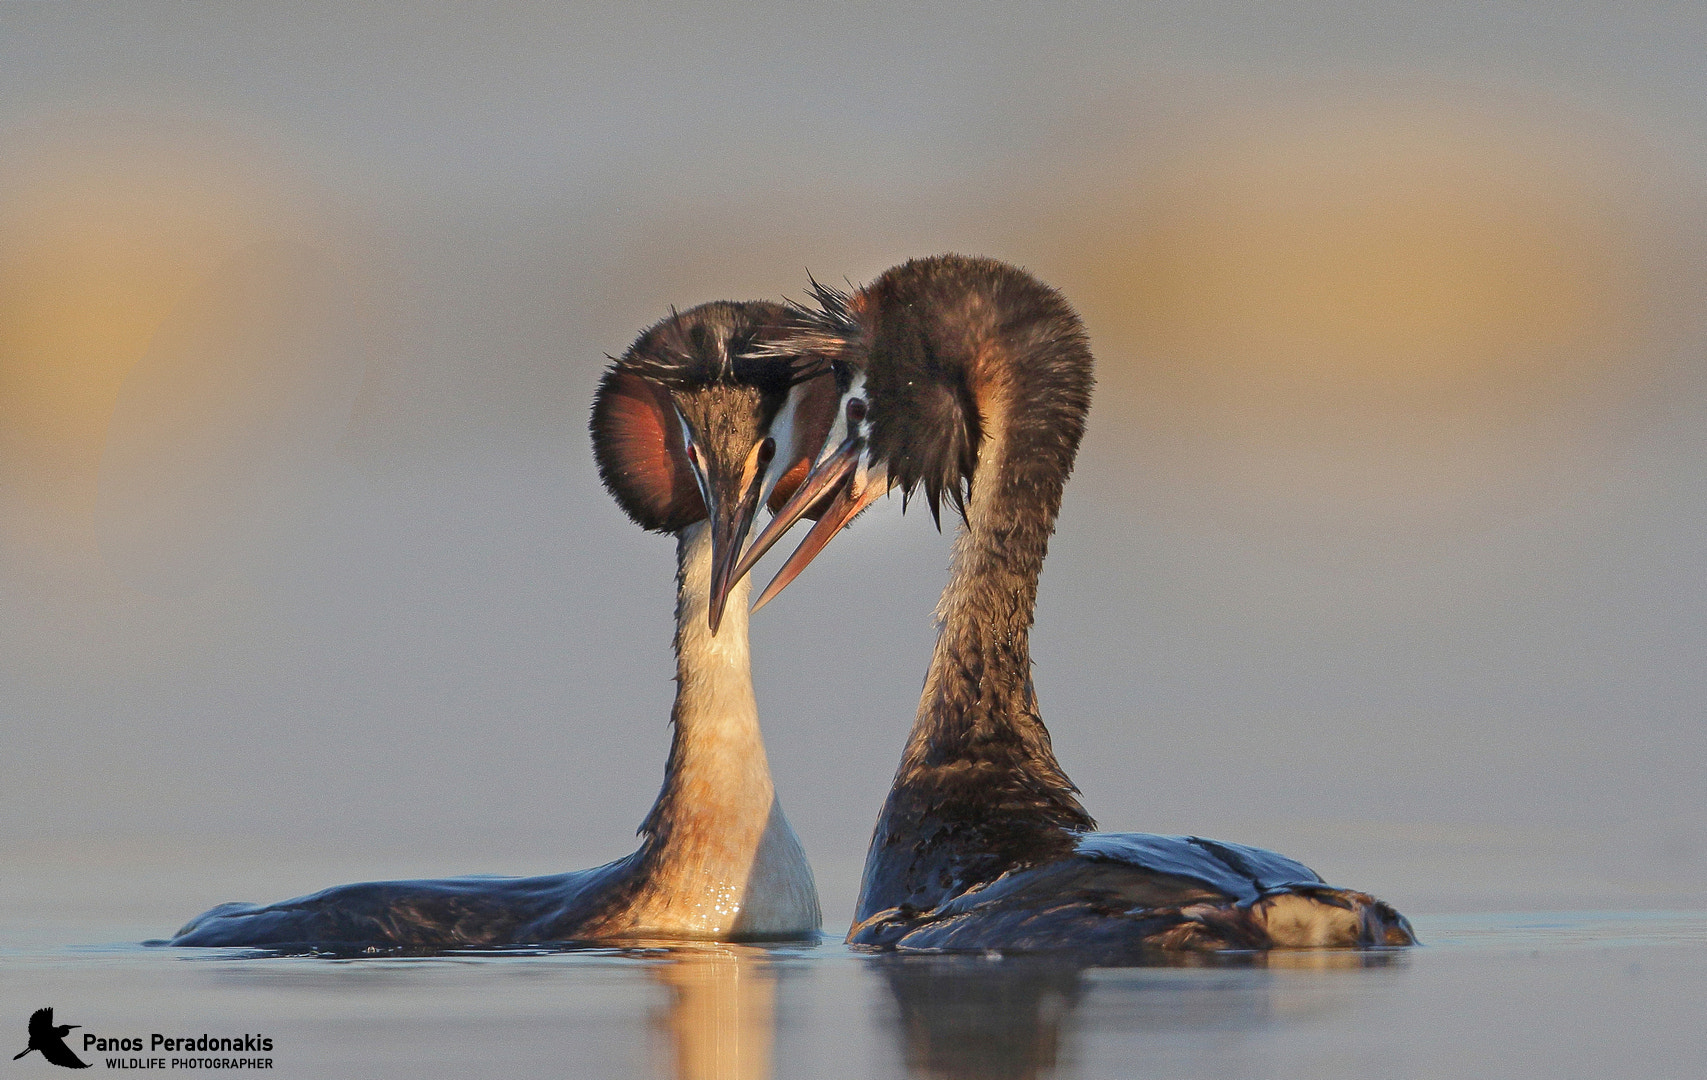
{"x": 722, "y": 858}
{"x": 717, "y": 767}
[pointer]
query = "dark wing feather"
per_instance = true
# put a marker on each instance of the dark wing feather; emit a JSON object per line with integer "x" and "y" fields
{"x": 1243, "y": 873}
{"x": 55, "y": 1050}
{"x": 445, "y": 913}
{"x": 1117, "y": 892}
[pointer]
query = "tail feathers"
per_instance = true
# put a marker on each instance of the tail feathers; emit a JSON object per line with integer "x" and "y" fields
{"x": 1329, "y": 918}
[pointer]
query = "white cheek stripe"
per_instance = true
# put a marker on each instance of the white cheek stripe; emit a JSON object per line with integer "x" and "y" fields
{"x": 782, "y": 430}
{"x": 698, "y": 473}
{"x": 839, "y": 427}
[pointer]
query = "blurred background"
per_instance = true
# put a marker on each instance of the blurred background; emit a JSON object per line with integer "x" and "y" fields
{"x": 1387, "y": 546}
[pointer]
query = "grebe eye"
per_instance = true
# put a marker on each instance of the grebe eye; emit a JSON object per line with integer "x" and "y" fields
{"x": 856, "y": 411}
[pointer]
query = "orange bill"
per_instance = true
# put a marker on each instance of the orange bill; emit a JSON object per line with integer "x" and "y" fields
{"x": 842, "y": 510}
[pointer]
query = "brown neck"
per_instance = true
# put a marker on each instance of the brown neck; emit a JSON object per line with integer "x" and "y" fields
{"x": 979, "y": 791}
{"x": 978, "y": 703}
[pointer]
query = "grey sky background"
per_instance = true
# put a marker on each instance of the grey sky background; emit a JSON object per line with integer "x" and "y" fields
{"x": 1385, "y": 547}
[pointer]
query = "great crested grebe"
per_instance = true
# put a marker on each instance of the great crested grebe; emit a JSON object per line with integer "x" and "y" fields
{"x": 683, "y": 432}
{"x": 970, "y": 379}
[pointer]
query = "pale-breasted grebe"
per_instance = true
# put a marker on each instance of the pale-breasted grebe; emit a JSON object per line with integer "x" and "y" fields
{"x": 685, "y": 428}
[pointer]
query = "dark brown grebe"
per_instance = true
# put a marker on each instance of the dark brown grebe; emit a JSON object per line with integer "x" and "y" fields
{"x": 970, "y": 379}
{"x": 682, "y": 432}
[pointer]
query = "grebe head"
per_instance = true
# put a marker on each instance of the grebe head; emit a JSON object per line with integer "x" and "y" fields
{"x": 701, "y": 420}
{"x": 907, "y": 417}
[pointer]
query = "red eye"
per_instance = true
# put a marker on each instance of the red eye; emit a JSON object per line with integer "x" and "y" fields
{"x": 856, "y": 411}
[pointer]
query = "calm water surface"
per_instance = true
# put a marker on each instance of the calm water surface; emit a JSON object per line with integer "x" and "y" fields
{"x": 1589, "y": 994}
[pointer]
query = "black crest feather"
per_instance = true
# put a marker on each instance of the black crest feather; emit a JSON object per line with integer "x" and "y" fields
{"x": 637, "y": 440}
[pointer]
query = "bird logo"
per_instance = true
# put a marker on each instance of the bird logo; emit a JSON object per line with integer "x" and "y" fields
{"x": 50, "y": 1040}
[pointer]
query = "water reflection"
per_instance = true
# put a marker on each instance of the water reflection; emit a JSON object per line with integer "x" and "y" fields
{"x": 1022, "y": 1018}
{"x": 720, "y": 1020}
{"x": 971, "y": 1017}
{"x": 742, "y": 1012}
